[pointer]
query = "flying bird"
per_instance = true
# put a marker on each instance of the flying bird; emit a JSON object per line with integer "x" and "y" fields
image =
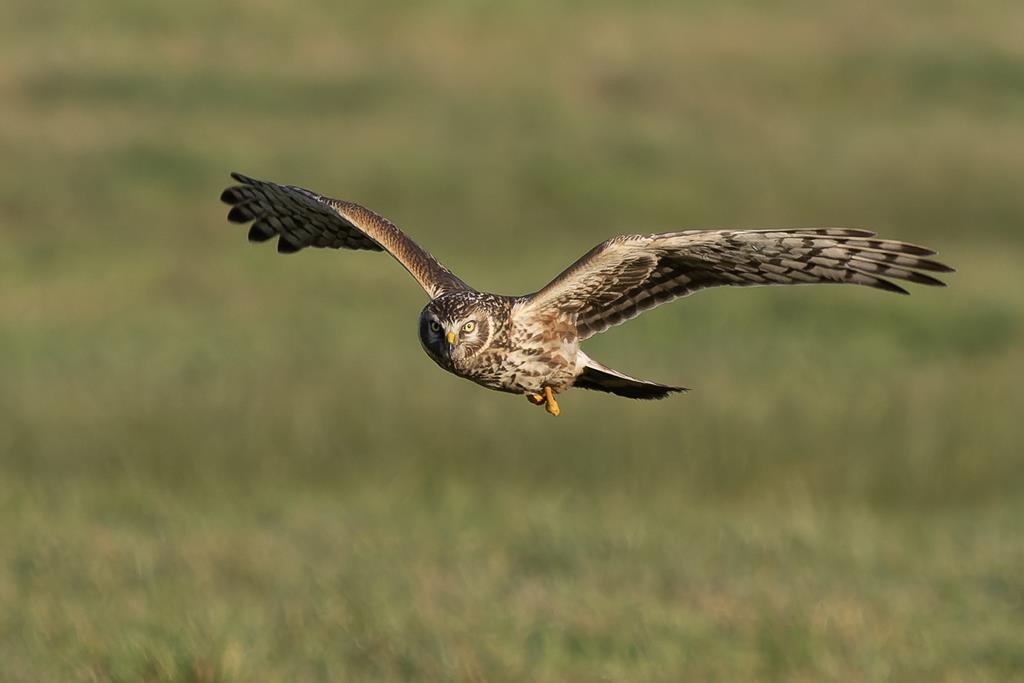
{"x": 530, "y": 344}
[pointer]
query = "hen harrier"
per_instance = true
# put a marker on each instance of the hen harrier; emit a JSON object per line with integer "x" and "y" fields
{"x": 531, "y": 344}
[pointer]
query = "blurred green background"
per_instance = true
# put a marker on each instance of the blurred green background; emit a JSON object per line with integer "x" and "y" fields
{"x": 220, "y": 464}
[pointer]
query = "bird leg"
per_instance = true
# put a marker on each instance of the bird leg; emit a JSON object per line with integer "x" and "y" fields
{"x": 552, "y": 404}
{"x": 547, "y": 399}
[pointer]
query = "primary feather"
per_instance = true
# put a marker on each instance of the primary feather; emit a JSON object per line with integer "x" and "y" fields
{"x": 624, "y": 276}
{"x": 300, "y": 218}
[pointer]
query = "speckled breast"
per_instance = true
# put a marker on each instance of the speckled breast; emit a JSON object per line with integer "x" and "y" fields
{"x": 541, "y": 351}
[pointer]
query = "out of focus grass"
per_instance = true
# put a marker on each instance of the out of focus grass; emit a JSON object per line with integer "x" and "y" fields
{"x": 218, "y": 464}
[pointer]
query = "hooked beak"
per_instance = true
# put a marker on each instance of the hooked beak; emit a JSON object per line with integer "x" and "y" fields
{"x": 451, "y": 338}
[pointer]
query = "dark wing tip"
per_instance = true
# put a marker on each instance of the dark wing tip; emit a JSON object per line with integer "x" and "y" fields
{"x": 239, "y": 214}
{"x": 930, "y": 265}
{"x": 849, "y": 232}
{"x": 888, "y": 286}
{"x": 260, "y": 232}
{"x": 234, "y": 195}
{"x": 230, "y": 196}
{"x": 928, "y": 280}
{"x": 285, "y": 246}
{"x": 915, "y": 249}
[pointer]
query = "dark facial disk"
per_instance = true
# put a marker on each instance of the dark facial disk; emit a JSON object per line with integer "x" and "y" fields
{"x": 451, "y": 331}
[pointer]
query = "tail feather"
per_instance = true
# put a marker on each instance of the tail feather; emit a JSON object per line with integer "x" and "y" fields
{"x": 597, "y": 377}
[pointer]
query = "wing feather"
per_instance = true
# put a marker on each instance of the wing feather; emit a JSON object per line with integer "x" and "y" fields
{"x": 624, "y": 276}
{"x": 300, "y": 218}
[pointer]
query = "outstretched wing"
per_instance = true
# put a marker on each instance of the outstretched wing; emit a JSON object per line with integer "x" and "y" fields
{"x": 619, "y": 279}
{"x": 301, "y": 218}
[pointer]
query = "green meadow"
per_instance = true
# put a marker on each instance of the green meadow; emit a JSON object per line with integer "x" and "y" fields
{"x": 219, "y": 464}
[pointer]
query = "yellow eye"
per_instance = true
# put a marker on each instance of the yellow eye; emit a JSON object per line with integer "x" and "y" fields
{"x": 469, "y": 327}
{"x": 435, "y": 326}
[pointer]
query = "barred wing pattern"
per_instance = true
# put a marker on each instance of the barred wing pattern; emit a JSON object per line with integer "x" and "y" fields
{"x": 624, "y": 276}
{"x": 301, "y": 218}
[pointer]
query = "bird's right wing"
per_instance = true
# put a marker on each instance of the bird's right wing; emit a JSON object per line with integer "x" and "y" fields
{"x": 301, "y": 218}
{"x": 624, "y": 276}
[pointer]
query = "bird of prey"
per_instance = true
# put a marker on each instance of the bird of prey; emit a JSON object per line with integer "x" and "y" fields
{"x": 530, "y": 344}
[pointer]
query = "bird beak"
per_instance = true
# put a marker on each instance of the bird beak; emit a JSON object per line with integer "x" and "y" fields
{"x": 451, "y": 338}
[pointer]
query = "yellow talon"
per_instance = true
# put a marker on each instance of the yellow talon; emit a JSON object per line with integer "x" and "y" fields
{"x": 547, "y": 399}
{"x": 552, "y": 404}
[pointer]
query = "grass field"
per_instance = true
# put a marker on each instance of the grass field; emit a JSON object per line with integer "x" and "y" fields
{"x": 220, "y": 464}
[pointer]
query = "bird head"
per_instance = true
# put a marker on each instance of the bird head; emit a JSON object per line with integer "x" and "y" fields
{"x": 455, "y": 327}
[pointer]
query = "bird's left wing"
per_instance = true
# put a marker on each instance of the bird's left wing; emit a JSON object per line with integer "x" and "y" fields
{"x": 619, "y": 279}
{"x": 301, "y": 218}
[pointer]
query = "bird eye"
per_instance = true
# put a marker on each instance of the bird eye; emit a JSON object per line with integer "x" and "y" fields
{"x": 469, "y": 327}
{"x": 435, "y": 326}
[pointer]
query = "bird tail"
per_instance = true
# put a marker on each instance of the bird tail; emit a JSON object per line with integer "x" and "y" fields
{"x": 597, "y": 377}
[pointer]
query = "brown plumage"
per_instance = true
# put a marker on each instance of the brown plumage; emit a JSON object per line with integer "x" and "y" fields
{"x": 300, "y": 218}
{"x": 530, "y": 344}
